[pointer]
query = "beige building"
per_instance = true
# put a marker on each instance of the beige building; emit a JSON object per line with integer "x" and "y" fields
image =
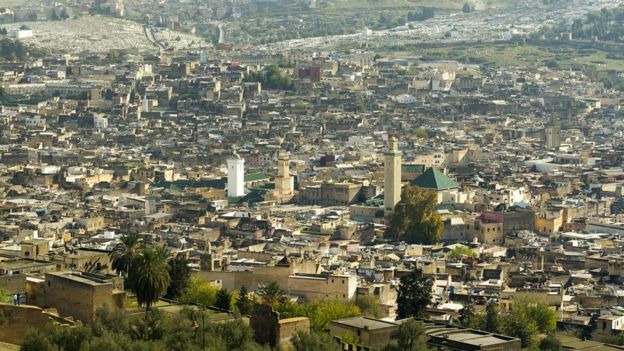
{"x": 80, "y": 294}
{"x": 330, "y": 194}
{"x": 296, "y": 279}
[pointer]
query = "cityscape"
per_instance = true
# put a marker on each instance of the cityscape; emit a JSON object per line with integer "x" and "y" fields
{"x": 311, "y": 175}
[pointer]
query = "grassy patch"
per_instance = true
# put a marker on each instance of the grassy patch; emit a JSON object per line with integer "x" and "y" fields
{"x": 564, "y": 57}
{"x": 13, "y": 3}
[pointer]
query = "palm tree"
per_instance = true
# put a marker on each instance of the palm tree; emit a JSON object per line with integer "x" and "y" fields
{"x": 94, "y": 266}
{"x": 123, "y": 253}
{"x": 271, "y": 293}
{"x": 149, "y": 275}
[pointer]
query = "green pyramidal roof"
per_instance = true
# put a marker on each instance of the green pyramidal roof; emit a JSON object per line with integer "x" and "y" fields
{"x": 435, "y": 180}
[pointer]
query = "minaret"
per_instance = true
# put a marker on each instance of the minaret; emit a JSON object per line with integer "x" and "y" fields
{"x": 284, "y": 183}
{"x": 553, "y": 134}
{"x": 236, "y": 176}
{"x": 392, "y": 178}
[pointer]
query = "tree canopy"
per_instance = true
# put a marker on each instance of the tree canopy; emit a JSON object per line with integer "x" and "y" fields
{"x": 271, "y": 293}
{"x": 12, "y": 49}
{"x": 526, "y": 321}
{"x": 180, "y": 274}
{"x": 469, "y": 7}
{"x": 415, "y": 218}
{"x": 271, "y": 77}
{"x": 460, "y": 252}
{"x": 159, "y": 331}
{"x": 320, "y": 312}
{"x": 414, "y": 294}
{"x": 149, "y": 275}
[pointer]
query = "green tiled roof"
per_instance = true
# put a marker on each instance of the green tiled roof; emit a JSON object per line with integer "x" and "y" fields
{"x": 374, "y": 202}
{"x": 412, "y": 169}
{"x": 435, "y": 180}
{"x": 254, "y": 177}
{"x": 218, "y": 183}
{"x": 182, "y": 184}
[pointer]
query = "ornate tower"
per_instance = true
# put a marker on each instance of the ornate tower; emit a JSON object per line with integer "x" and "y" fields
{"x": 553, "y": 134}
{"x": 392, "y": 176}
{"x": 284, "y": 182}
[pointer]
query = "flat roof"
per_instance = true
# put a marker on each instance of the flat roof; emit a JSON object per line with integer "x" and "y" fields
{"x": 475, "y": 339}
{"x": 365, "y": 323}
{"x": 81, "y": 278}
{"x": 572, "y": 343}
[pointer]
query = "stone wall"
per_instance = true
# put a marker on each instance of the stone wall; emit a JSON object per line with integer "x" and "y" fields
{"x": 13, "y": 283}
{"x": 290, "y": 326}
{"x": 269, "y": 329}
{"x": 16, "y": 320}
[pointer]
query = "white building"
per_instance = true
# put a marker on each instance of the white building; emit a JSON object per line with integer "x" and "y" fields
{"x": 100, "y": 122}
{"x": 21, "y": 33}
{"x": 236, "y": 176}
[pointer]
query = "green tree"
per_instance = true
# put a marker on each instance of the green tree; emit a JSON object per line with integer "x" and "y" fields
{"x": 200, "y": 292}
{"x": 468, "y": 7}
{"x": 149, "y": 276}
{"x": 369, "y": 305}
{"x": 415, "y": 218}
{"x": 94, "y": 266}
{"x": 520, "y": 326}
{"x": 244, "y": 303}
{"x": 421, "y": 133}
{"x": 271, "y": 293}
{"x": 492, "y": 323}
{"x": 224, "y": 299}
{"x": 460, "y": 252}
{"x": 320, "y": 312}
{"x": 550, "y": 343}
{"x": 35, "y": 340}
{"x": 544, "y": 317}
{"x": 109, "y": 321}
{"x": 614, "y": 339}
{"x": 414, "y": 295}
{"x": 411, "y": 336}
{"x": 123, "y": 253}
{"x": 465, "y": 315}
{"x": 153, "y": 327}
{"x": 527, "y": 319}
{"x": 70, "y": 339}
{"x": 271, "y": 78}
{"x": 236, "y": 334}
{"x": 180, "y": 274}
{"x": 106, "y": 343}
{"x": 314, "y": 341}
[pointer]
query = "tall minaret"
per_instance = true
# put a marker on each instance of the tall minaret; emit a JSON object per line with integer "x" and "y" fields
{"x": 284, "y": 182}
{"x": 235, "y": 176}
{"x": 553, "y": 133}
{"x": 392, "y": 178}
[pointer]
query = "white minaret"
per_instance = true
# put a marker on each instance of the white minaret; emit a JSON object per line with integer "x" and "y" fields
{"x": 392, "y": 176}
{"x": 236, "y": 176}
{"x": 203, "y": 56}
